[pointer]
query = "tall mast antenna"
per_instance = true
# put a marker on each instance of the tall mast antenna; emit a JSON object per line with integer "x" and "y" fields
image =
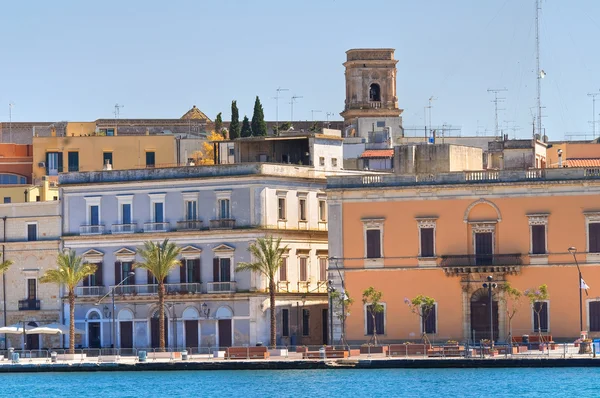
{"x": 496, "y": 100}
{"x": 593, "y": 95}
{"x": 117, "y": 113}
{"x": 540, "y": 72}
{"x": 293, "y": 99}
{"x": 279, "y": 90}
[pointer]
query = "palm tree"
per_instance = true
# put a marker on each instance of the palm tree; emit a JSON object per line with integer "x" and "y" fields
{"x": 159, "y": 259}
{"x": 5, "y": 265}
{"x": 267, "y": 253}
{"x": 71, "y": 270}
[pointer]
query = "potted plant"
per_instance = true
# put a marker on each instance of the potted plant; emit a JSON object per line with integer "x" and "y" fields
{"x": 585, "y": 346}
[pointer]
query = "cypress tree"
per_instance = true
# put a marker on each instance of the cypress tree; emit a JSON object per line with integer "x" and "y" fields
{"x": 234, "y": 126}
{"x": 219, "y": 124}
{"x": 259, "y": 126}
{"x": 246, "y": 129}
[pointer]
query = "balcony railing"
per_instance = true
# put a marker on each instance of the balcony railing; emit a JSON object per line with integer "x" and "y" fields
{"x": 170, "y": 288}
{"x": 223, "y": 223}
{"x": 123, "y": 228}
{"x": 29, "y": 305}
{"x": 481, "y": 259}
{"x": 91, "y": 229}
{"x": 221, "y": 287}
{"x": 90, "y": 291}
{"x": 156, "y": 226}
{"x": 189, "y": 225}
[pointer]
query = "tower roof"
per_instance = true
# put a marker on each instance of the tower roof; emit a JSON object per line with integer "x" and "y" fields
{"x": 195, "y": 113}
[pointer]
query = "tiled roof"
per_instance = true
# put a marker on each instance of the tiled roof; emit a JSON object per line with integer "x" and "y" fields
{"x": 582, "y": 162}
{"x": 378, "y": 153}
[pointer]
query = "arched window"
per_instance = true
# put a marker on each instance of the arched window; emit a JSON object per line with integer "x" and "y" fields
{"x": 374, "y": 92}
{"x": 12, "y": 179}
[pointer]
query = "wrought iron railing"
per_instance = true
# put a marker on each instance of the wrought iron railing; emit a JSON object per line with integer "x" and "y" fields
{"x": 189, "y": 225}
{"x": 481, "y": 259}
{"x": 123, "y": 228}
{"x": 170, "y": 288}
{"x": 156, "y": 226}
{"x": 29, "y": 305}
{"x": 88, "y": 291}
{"x": 91, "y": 229}
{"x": 223, "y": 223}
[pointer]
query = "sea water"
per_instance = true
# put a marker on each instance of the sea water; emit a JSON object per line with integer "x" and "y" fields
{"x": 511, "y": 382}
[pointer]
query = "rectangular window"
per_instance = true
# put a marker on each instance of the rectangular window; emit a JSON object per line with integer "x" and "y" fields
{"x": 126, "y": 213}
{"x": 285, "y": 322}
{"x": 379, "y": 317}
{"x": 107, "y": 158}
{"x": 31, "y": 232}
{"x": 283, "y": 270}
{"x": 150, "y": 159}
{"x": 429, "y": 322}
{"x": 7, "y": 199}
{"x": 94, "y": 215}
{"x": 303, "y": 269}
{"x": 594, "y": 308}
{"x": 541, "y": 321}
{"x": 159, "y": 215}
{"x": 126, "y": 269}
{"x": 32, "y": 289}
{"x": 373, "y": 243}
{"x": 427, "y": 246}
{"x": 54, "y": 163}
{"x": 302, "y": 209}
{"x": 305, "y": 322}
{"x": 73, "y": 161}
{"x": 322, "y": 268}
{"x": 594, "y": 237}
{"x": 334, "y": 162}
{"x": 110, "y": 132}
{"x": 190, "y": 271}
{"x": 538, "y": 239}
{"x": 322, "y": 211}
{"x": 224, "y": 209}
{"x": 191, "y": 207}
{"x": 281, "y": 208}
{"x": 222, "y": 269}
{"x": 321, "y": 161}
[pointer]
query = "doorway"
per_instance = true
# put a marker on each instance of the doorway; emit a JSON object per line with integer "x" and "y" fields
{"x": 154, "y": 337}
{"x": 225, "y": 333}
{"x": 94, "y": 335}
{"x": 191, "y": 334}
{"x": 325, "y": 323}
{"x": 33, "y": 340}
{"x": 126, "y": 334}
{"x": 484, "y": 248}
{"x": 480, "y": 316}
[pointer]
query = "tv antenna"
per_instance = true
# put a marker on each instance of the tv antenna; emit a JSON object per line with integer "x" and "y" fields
{"x": 279, "y": 90}
{"x": 293, "y": 99}
{"x": 593, "y": 95}
{"x": 117, "y": 112}
{"x": 540, "y": 72}
{"x": 497, "y": 100}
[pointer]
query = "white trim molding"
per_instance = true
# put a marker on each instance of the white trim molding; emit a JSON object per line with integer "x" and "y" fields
{"x": 480, "y": 201}
{"x": 373, "y": 224}
{"x": 536, "y": 220}
{"x": 427, "y": 223}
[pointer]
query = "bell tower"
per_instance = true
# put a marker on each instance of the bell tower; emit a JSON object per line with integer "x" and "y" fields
{"x": 370, "y": 84}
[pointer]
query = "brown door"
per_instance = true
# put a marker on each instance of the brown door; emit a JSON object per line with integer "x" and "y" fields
{"x": 224, "y": 332}
{"x": 191, "y": 334}
{"x": 154, "y": 338}
{"x": 480, "y": 319}
{"x": 33, "y": 340}
{"x": 94, "y": 340}
{"x": 126, "y": 334}
{"x": 325, "y": 322}
{"x": 484, "y": 248}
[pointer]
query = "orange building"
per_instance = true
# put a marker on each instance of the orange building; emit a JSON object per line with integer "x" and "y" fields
{"x": 443, "y": 235}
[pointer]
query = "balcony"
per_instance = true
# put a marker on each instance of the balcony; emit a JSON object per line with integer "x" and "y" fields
{"x": 90, "y": 291}
{"x": 475, "y": 263}
{"x": 223, "y": 223}
{"x": 221, "y": 287}
{"x": 170, "y": 288}
{"x": 156, "y": 226}
{"x": 189, "y": 225}
{"x": 123, "y": 228}
{"x": 91, "y": 229}
{"x": 29, "y": 305}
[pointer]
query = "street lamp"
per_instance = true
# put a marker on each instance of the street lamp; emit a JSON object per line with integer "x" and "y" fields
{"x": 573, "y": 251}
{"x": 330, "y": 290}
{"x": 489, "y": 285}
{"x": 205, "y": 310}
{"x": 112, "y": 293}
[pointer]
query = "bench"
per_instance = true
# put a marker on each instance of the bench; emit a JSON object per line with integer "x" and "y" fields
{"x": 534, "y": 340}
{"x": 329, "y": 354}
{"x": 247, "y": 353}
{"x": 396, "y": 350}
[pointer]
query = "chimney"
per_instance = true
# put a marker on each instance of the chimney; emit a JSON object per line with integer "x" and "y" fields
{"x": 560, "y": 158}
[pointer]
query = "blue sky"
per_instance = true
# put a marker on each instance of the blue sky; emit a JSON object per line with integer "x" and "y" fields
{"x": 73, "y": 60}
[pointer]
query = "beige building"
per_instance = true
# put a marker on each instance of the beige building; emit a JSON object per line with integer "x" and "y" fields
{"x": 30, "y": 234}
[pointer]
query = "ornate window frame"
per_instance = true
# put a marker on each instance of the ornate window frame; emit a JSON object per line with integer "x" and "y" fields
{"x": 375, "y": 223}
{"x": 427, "y": 222}
{"x": 538, "y": 219}
{"x": 483, "y": 227}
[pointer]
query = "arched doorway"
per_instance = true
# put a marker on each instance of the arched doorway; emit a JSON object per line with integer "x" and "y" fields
{"x": 94, "y": 330}
{"x": 154, "y": 335}
{"x": 480, "y": 315}
{"x": 33, "y": 340}
{"x": 190, "y": 321}
{"x": 125, "y": 328}
{"x": 224, "y": 323}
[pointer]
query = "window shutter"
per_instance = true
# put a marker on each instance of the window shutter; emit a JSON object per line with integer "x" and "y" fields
{"x": 183, "y": 271}
{"x": 594, "y": 308}
{"x": 60, "y": 162}
{"x": 538, "y": 239}
{"x": 594, "y": 237}
{"x": 150, "y": 278}
{"x": 429, "y": 322}
{"x": 196, "y": 276}
{"x": 373, "y": 243}
{"x": 86, "y": 281}
{"x": 543, "y": 318}
{"x": 427, "y": 242}
{"x": 47, "y": 163}
{"x": 216, "y": 269}
{"x": 369, "y": 321}
{"x": 117, "y": 272}
{"x": 379, "y": 322}
{"x": 99, "y": 275}
{"x": 283, "y": 269}
{"x": 225, "y": 270}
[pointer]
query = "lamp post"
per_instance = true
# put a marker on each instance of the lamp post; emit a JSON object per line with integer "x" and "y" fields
{"x": 489, "y": 285}
{"x": 205, "y": 310}
{"x": 573, "y": 251}
{"x": 112, "y": 293}
{"x": 330, "y": 289}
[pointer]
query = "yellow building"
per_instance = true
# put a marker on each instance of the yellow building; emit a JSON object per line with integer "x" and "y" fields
{"x": 46, "y": 191}
{"x": 53, "y": 155}
{"x": 443, "y": 235}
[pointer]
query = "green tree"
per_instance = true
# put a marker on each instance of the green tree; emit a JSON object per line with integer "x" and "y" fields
{"x": 70, "y": 272}
{"x": 372, "y": 299}
{"x": 219, "y": 125}
{"x": 343, "y": 301}
{"x": 422, "y": 306}
{"x": 314, "y": 128}
{"x": 246, "y": 129}
{"x": 511, "y": 297}
{"x": 159, "y": 259}
{"x": 538, "y": 295}
{"x": 267, "y": 255}
{"x": 5, "y": 265}
{"x": 234, "y": 126}
{"x": 259, "y": 126}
